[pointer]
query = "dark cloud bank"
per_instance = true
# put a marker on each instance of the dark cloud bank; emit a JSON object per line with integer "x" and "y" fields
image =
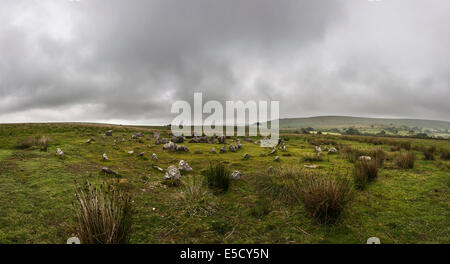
{"x": 127, "y": 61}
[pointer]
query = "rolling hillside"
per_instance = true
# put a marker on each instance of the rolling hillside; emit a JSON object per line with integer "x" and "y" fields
{"x": 326, "y": 122}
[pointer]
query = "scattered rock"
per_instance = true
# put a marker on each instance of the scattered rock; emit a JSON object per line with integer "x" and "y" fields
{"x": 277, "y": 158}
{"x": 154, "y": 157}
{"x": 158, "y": 168}
{"x": 232, "y": 148}
{"x": 212, "y": 140}
{"x": 59, "y": 152}
{"x": 184, "y": 166}
{"x": 131, "y": 152}
{"x": 172, "y": 173}
{"x": 138, "y": 134}
{"x": 365, "y": 158}
{"x": 104, "y": 157}
{"x": 273, "y": 151}
{"x": 156, "y": 135}
{"x": 213, "y": 150}
{"x": 182, "y": 148}
{"x": 141, "y": 154}
{"x": 318, "y": 149}
{"x": 263, "y": 154}
{"x": 222, "y": 140}
{"x": 170, "y": 146}
{"x": 236, "y": 175}
{"x": 223, "y": 149}
{"x": 176, "y": 139}
{"x": 199, "y": 140}
{"x": 161, "y": 141}
{"x": 109, "y": 133}
{"x": 332, "y": 151}
{"x": 149, "y": 137}
{"x": 270, "y": 169}
{"x": 246, "y": 156}
{"x": 109, "y": 171}
{"x": 312, "y": 166}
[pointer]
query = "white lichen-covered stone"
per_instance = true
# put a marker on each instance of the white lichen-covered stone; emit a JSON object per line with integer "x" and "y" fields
{"x": 236, "y": 175}
{"x": 172, "y": 173}
{"x": 184, "y": 166}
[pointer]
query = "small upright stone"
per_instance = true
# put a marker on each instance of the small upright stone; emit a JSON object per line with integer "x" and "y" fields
{"x": 236, "y": 175}
{"x": 109, "y": 171}
{"x": 59, "y": 152}
{"x": 273, "y": 151}
{"x": 332, "y": 151}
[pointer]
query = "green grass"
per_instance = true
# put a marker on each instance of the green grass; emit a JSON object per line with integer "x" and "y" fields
{"x": 37, "y": 191}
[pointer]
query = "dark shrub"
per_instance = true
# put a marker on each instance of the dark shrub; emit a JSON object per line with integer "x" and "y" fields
{"x": 445, "y": 154}
{"x": 428, "y": 155}
{"x": 217, "y": 177}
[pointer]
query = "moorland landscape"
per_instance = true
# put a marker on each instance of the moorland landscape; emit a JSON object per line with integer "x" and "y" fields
{"x": 311, "y": 188}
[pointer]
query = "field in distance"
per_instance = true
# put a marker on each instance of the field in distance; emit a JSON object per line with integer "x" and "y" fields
{"x": 372, "y": 126}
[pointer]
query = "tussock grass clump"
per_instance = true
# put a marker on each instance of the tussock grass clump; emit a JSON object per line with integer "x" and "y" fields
{"x": 25, "y": 143}
{"x": 217, "y": 177}
{"x": 405, "y": 160}
{"x": 196, "y": 196}
{"x": 445, "y": 154}
{"x": 428, "y": 155}
{"x": 311, "y": 157}
{"x": 352, "y": 154}
{"x": 325, "y": 198}
{"x": 104, "y": 214}
{"x": 42, "y": 142}
{"x": 283, "y": 184}
{"x": 261, "y": 208}
{"x": 395, "y": 148}
{"x": 365, "y": 172}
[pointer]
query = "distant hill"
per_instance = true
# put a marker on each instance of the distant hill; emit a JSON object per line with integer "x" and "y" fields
{"x": 327, "y": 122}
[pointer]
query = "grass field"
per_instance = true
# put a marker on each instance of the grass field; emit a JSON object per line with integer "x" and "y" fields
{"x": 37, "y": 190}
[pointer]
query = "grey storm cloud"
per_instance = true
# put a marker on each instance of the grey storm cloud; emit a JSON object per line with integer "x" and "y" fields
{"x": 128, "y": 61}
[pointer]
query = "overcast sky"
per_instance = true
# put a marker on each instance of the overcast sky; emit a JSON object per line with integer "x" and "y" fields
{"x": 126, "y": 62}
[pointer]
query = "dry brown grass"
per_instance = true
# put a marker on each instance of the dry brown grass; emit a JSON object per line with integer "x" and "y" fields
{"x": 104, "y": 214}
